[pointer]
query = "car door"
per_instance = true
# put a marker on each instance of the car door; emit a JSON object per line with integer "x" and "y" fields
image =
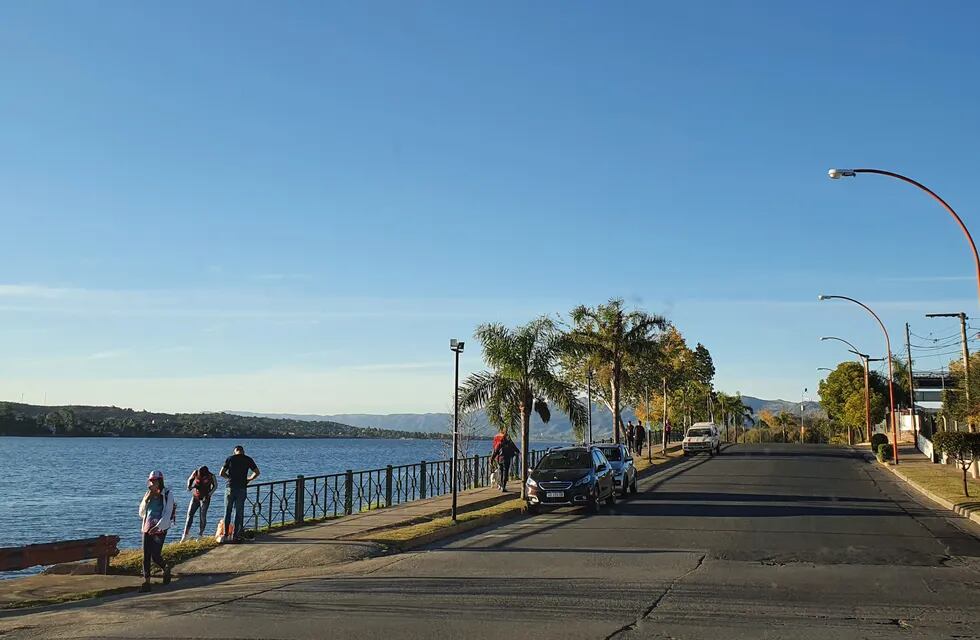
{"x": 603, "y": 473}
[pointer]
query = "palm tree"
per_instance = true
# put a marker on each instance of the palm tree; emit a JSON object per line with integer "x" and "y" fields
{"x": 617, "y": 339}
{"x": 521, "y": 379}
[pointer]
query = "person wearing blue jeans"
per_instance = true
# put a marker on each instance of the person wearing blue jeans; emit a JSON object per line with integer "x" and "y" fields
{"x": 238, "y": 470}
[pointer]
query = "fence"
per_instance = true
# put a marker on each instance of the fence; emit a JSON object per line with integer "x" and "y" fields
{"x": 281, "y": 502}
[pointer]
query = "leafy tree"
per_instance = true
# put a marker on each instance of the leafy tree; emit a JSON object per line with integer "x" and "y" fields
{"x": 613, "y": 341}
{"x": 522, "y": 378}
{"x": 954, "y": 398}
{"x": 842, "y": 395}
{"x": 704, "y": 366}
{"x": 963, "y": 447}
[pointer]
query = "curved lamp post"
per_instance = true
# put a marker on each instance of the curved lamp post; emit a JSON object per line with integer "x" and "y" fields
{"x": 824, "y": 369}
{"x": 837, "y": 174}
{"x": 865, "y": 358}
{"x": 891, "y": 373}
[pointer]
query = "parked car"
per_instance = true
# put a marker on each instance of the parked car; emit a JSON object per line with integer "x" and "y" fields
{"x": 621, "y": 460}
{"x": 700, "y": 437}
{"x": 571, "y": 476}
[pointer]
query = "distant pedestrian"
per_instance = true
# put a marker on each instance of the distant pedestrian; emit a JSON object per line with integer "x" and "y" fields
{"x": 666, "y": 433}
{"x": 629, "y": 434}
{"x": 504, "y": 454}
{"x": 158, "y": 511}
{"x": 236, "y": 470}
{"x": 639, "y": 437}
{"x": 201, "y": 484}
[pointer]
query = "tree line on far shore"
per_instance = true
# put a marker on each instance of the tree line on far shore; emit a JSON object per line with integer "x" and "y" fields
{"x": 75, "y": 421}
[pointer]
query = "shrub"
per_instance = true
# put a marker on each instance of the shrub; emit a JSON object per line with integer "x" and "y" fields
{"x": 884, "y": 452}
{"x": 962, "y": 447}
{"x": 878, "y": 439}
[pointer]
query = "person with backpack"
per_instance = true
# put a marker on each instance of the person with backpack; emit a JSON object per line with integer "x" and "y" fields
{"x": 158, "y": 511}
{"x": 504, "y": 452}
{"x": 201, "y": 484}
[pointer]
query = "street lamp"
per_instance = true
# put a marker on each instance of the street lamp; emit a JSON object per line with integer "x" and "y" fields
{"x": 802, "y": 413}
{"x": 457, "y": 347}
{"x": 824, "y": 369}
{"x": 867, "y": 385}
{"x": 891, "y": 373}
{"x": 837, "y": 174}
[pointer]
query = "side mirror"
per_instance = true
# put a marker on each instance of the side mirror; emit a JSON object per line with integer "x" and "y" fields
{"x": 601, "y": 467}
{"x": 629, "y": 459}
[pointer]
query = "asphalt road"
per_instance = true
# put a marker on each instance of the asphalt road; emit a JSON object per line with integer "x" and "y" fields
{"x": 777, "y": 541}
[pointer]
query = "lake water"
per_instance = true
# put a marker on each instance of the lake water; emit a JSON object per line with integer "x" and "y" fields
{"x": 63, "y": 488}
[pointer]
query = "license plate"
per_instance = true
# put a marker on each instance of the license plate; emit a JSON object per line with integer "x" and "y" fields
{"x": 556, "y": 494}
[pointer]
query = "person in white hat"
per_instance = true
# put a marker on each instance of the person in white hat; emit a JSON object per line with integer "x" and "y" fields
{"x": 158, "y": 511}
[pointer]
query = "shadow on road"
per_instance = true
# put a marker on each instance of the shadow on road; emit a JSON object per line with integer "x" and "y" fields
{"x": 709, "y": 510}
{"x": 704, "y": 496}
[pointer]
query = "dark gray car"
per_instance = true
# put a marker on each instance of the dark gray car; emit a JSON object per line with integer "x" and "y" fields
{"x": 621, "y": 460}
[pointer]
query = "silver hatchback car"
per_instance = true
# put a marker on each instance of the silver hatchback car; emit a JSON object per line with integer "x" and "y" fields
{"x": 621, "y": 460}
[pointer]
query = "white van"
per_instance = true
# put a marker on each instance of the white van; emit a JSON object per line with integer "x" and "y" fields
{"x": 702, "y": 436}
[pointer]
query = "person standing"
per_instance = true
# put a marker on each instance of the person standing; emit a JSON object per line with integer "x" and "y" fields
{"x": 236, "y": 470}
{"x": 158, "y": 511}
{"x": 201, "y": 484}
{"x": 629, "y": 435}
{"x": 639, "y": 437}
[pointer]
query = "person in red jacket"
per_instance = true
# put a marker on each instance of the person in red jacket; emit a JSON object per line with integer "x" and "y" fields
{"x": 504, "y": 452}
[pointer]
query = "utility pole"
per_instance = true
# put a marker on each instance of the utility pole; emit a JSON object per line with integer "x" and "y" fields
{"x": 663, "y": 433}
{"x": 802, "y": 413}
{"x": 649, "y": 428}
{"x": 908, "y": 351}
{"x": 966, "y": 359}
{"x": 590, "y": 404}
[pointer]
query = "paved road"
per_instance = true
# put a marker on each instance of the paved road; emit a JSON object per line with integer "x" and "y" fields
{"x": 765, "y": 541}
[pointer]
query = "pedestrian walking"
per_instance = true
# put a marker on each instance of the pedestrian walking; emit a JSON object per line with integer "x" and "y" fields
{"x": 629, "y": 434}
{"x": 236, "y": 470}
{"x": 158, "y": 511}
{"x": 201, "y": 484}
{"x": 639, "y": 437}
{"x": 504, "y": 454}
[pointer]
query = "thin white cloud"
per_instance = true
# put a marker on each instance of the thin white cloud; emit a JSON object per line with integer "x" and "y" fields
{"x": 398, "y": 366}
{"x": 105, "y": 355}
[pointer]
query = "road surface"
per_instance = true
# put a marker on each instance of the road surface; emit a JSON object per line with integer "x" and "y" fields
{"x": 780, "y": 541}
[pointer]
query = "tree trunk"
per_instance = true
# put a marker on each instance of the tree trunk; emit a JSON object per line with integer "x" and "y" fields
{"x": 966, "y": 486}
{"x": 525, "y": 446}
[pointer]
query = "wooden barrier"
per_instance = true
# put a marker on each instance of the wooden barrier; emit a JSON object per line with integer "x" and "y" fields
{"x": 101, "y": 548}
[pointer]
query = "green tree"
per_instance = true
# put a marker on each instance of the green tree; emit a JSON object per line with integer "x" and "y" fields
{"x": 613, "y": 341}
{"x": 962, "y": 447}
{"x": 842, "y": 395}
{"x": 522, "y": 378}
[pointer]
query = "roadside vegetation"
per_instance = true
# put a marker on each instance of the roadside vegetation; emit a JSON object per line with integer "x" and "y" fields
{"x": 129, "y": 562}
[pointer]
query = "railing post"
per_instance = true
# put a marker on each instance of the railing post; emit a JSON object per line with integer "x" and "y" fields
{"x": 422, "y": 492}
{"x": 388, "y": 486}
{"x": 349, "y": 492}
{"x": 299, "y": 502}
{"x": 476, "y": 471}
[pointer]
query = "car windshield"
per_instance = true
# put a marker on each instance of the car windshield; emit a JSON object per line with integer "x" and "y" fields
{"x": 698, "y": 433}
{"x": 566, "y": 460}
{"x": 612, "y": 453}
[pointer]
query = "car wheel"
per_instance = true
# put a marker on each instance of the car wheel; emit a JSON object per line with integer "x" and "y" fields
{"x": 718, "y": 450}
{"x": 596, "y": 505}
{"x": 533, "y": 509}
{"x": 633, "y": 486}
{"x": 711, "y": 453}
{"x": 611, "y": 500}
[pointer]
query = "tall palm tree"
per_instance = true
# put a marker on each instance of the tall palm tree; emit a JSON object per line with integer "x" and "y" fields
{"x": 617, "y": 338}
{"x": 522, "y": 378}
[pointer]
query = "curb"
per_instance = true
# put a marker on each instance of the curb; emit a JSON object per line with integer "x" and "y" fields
{"x": 969, "y": 514}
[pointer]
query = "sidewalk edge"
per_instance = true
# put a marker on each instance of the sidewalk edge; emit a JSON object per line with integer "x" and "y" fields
{"x": 969, "y": 514}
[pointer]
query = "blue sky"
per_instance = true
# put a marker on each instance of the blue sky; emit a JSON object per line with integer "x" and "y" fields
{"x": 293, "y": 208}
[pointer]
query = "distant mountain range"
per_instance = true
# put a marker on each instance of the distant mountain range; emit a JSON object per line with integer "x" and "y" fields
{"x": 559, "y": 428}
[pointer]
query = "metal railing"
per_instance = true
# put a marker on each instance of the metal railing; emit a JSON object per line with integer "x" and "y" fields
{"x": 282, "y": 502}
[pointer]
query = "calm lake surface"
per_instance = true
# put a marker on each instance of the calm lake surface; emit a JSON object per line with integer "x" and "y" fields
{"x": 62, "y": 488}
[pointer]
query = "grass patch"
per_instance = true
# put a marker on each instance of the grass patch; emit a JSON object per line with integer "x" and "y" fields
{"x": 946, "y": 481}
{"x": 129, "y": 562}
{"x": 401, "y": 535}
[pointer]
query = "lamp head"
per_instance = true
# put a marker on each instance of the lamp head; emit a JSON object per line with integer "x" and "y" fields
{"x": 821, "y": 297}
{"x": 837, "y": 174}
{"x": 456, "y": 345}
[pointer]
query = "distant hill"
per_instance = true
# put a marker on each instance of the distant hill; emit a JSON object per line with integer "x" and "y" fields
{"x": 18, "y": 419}
{"x": 559, "y": 428}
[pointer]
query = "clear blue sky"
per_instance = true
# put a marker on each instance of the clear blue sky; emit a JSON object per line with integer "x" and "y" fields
{"x": 293, "y": 208}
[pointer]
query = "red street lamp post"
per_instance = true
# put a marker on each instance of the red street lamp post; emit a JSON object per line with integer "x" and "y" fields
{"x": 891, "y": 373}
